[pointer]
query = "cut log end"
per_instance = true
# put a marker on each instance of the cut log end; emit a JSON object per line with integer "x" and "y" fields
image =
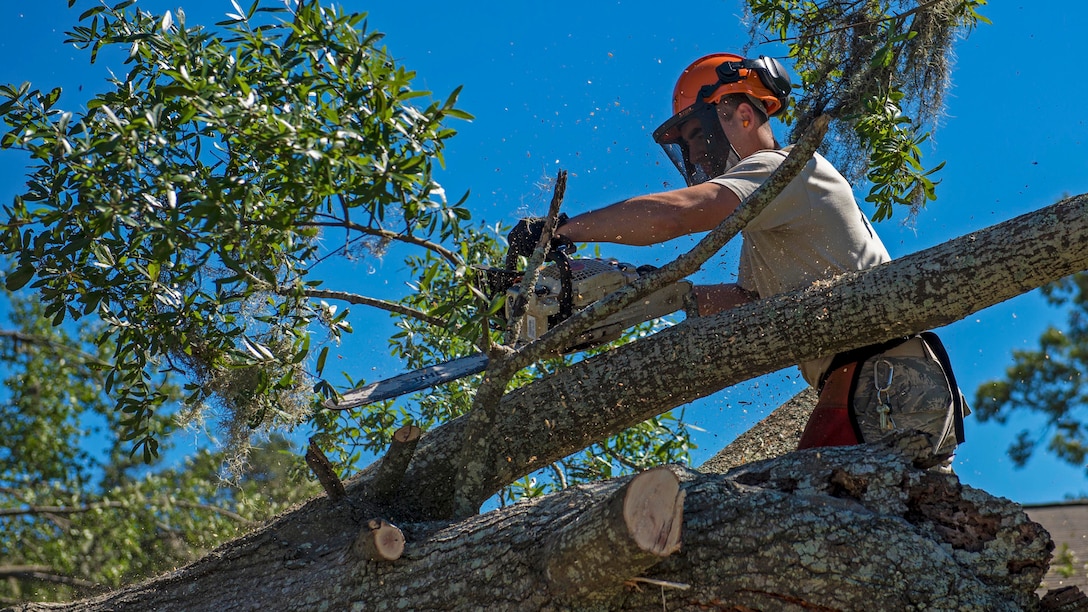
{"x": 616, "y": 538}
{"x": 407, "y": 433}
{"x": 653, "y": 510}
{"x": 379, "y": 540}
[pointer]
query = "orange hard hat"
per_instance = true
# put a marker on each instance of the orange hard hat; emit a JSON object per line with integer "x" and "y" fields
{"x": 711, "y": 77}
{"x": 707, "y": 153}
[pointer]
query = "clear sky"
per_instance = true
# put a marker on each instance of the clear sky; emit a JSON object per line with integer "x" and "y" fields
{"x": 581, "y": 85}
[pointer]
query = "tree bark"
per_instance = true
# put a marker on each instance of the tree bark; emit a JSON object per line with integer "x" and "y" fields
{"x": 840, "y": 528}
{"x": 564, "y": 413}
{"x": 845, "y": 528}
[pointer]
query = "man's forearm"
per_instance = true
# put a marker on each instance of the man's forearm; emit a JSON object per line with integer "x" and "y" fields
{"x": 654, "y": 218}
{"x": 639, "y": 221}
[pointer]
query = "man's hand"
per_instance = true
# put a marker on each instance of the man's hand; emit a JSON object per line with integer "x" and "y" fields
{"x": 526, "y": 235}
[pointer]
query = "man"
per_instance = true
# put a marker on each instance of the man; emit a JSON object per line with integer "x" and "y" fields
{"x": 720, "y": 139}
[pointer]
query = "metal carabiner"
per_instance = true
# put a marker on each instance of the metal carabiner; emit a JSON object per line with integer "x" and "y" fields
{"x": 876, "y": 377}
{"x": 882, "y": 407}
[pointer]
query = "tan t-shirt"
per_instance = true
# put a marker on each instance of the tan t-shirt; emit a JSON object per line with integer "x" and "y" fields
{"x": 813, "y": 230}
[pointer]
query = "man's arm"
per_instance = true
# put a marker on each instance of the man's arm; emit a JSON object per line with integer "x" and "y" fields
{"x": 654, "y": 218}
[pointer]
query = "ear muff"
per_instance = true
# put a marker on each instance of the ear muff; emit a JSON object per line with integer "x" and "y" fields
{"x": 770, "y": 72}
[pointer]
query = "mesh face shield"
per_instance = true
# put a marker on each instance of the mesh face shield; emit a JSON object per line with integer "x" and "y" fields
{"x": 694, "y": 141}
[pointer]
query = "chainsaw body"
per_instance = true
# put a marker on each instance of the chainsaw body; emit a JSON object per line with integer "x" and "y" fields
{"x": 563, "y": 287}
{"x": 569, "y": 285}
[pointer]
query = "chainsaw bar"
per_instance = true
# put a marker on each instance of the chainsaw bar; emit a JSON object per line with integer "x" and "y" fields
{"x": 417, "y": 380}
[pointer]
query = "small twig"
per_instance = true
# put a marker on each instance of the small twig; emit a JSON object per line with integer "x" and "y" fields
{"x": 45, "y": 574}
{"x": 322, "y": 468}
{"x": 354, "y": 298}
{"x": 446, "y": 254}
{"x": 536, "y": 261}
{"x": 54, "y": 511}
{"x": 24, "y": 338}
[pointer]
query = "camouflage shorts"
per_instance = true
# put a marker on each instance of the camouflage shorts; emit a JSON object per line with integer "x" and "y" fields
{"x": 915, "y": 391}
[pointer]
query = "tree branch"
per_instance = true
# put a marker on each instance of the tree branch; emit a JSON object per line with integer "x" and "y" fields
{"x": 45, "y": 574}
{"x": 47, "y": 510}
{"x": 536, "y": 261}
{"x": 445, "y": 253}
{"x": 354, "y": 298}
{"x": 17, "y": 337}
{"x": 501, "y": 368}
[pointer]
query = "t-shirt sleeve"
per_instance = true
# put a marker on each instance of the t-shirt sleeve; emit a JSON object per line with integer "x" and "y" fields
{"x": 749, "y": 174}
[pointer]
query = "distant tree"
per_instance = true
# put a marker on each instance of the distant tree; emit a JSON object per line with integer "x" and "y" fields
{"x": 1049, "y": 381}
{"x": 76, "y": 522}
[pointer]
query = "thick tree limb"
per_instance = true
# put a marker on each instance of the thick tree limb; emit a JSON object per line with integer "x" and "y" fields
{"x": 816, "y": 526}
{"x": 848, "y": 528}
{"x": 609, "y": 392}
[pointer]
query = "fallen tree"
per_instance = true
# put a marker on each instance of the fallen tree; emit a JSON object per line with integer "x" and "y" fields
{"x": 835, "y": 529}
{"x": 827, "y": 529}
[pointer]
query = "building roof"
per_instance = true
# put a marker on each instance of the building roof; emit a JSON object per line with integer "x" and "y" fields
{"x": 1068, "y": 527}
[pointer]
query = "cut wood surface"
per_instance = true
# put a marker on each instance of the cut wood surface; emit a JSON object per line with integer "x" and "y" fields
{"x": 618, "y": 539}
{"x": 379, "y": 540}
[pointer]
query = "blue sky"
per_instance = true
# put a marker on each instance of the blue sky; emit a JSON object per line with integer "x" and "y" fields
{"x": 580, "y": 86}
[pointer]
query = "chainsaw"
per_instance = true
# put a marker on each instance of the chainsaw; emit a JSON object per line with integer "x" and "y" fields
{"x": 565, "y": 286}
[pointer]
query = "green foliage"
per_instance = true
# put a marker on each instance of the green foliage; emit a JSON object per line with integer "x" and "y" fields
{"x": 873, "y": 65}
{"x": 185, "y": 206}
{"x": 85, "y": 521}
{"x": 1048, "y": 381}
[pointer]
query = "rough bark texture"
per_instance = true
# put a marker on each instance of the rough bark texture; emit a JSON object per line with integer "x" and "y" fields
{"x": 851, "y": 528}
{"x": 848, "y": 528}
{"x": 551, "y": 418}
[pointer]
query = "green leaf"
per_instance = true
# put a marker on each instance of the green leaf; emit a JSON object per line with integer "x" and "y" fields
{"x": 19, "y": 278}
